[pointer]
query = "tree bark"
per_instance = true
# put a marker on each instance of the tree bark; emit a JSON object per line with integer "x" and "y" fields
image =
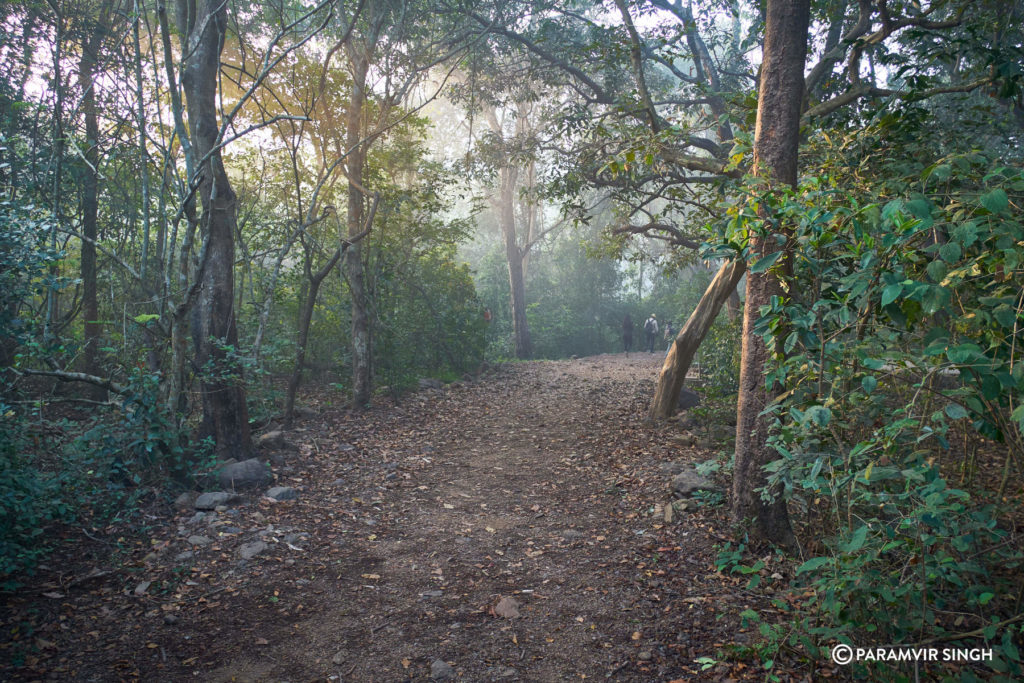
{"x": 203, "y": 24}
{"x": 90, "y": 203}
{"x": 361, "y": 344}
{"x": 684, "y": 348}
{"x": 776, "y": 144}
{"x": 514, "y": 257}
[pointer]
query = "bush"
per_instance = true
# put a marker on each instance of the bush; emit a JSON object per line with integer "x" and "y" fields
{"x": 902, "y": 326}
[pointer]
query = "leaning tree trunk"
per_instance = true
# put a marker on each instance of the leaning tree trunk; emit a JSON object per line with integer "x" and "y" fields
{"x": 514, "y": 257}
{"x": 225, "y": 416}
{"x": 776, "y": 143}
{"x": 684, "y": 348}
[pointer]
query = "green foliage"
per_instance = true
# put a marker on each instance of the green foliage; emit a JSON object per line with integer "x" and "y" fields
{"x": 24, "y": 262}
{"x": 901, "y": 326}
{"x": 138, "y": 445}
{"x": 431, "y": 323}
{"x": 29, "y": 500}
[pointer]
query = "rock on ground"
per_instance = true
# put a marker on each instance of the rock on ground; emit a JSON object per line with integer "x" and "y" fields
{"x": 688, "y": 482}
{"x": 246, "y": 474}
{"x": 688, "y": 399}
{"x": 212, "y": 499}
{"x": 441, "y": 670}
{"x": 274, "y": 439}
{"x": 251, "y": 550}
{"x": 282, "y": 493}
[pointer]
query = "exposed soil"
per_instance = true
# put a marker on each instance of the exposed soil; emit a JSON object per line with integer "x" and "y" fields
{"x": 535, "y": 482}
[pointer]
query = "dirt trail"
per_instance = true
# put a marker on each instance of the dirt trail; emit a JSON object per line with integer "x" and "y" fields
{"x": 534, "y": 483}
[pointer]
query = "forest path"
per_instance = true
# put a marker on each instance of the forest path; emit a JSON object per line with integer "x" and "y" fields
{"x": 533, "y": 484}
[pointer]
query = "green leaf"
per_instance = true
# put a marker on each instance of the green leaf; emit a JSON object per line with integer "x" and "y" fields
{"x": 1018, "y": 415}
{"x": 891, "y": 293}
{"x": 950, "y": 252}
{"x": 985, "y": 597}
{"x": 856, "y": 541}
{"x": 766, "y": 262}
{"x": 146, "y": 318}
{"x": 1005, "y": 315}
{"x": 869, "y": 383}
{"x": 937, "y": 271}
{"x": 955, "y": 411}
{"x": 812, "y": 564}
{"x": 820, "y": 414}
{"x": 995, "y": 201}
{"x": 963, "y": 353}
{"x": 935, "y": 299}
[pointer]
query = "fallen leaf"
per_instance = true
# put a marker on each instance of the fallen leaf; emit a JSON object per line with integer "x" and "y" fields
{"x": 371, "y": 577}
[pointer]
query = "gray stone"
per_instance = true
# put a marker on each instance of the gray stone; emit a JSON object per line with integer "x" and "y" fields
{"x": 304, "y": 412}
{"x": 645, "y": 656}
{"x": 210, "y": 501}
{"x": 441, "y": 670}
{"x": 170, "y": 619}
{"x": 273, "y": 439}
{"x": 246, "y": 474}
{"x": 671, "y": 469}
{"x": 199, "y": 540}
{"x": 184, "y": 557}
{"x": 432, "y": 594}
{"x": 184, "y": 502}
{"x": 507, "y": 672}
{"x": 687, "y": 399}
{"x": 429, "y": 383}
{"x": 507, "y": 608}
{"x": 282, "y": 493}
{"x": 251, "y": 550}
{"x": 688, "y": 482}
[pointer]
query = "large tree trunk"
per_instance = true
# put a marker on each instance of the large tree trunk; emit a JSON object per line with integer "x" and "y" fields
{"x": 514, "y": 257}
{"x": 225, "y": 416}
{"x": 361, "y": 344}
{"x": 776, "y": 143}
{"x": 684, "y": 348}
{"x": 90, "y": 204}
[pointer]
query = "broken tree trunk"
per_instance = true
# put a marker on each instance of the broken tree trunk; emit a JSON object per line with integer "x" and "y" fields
{"x": 680, "y": 356}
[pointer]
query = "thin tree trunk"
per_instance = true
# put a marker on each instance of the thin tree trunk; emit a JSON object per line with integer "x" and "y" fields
{"x": 514, "y": 258}
{"x": 312, "y": 289}
{"x": 305, "y": 318}
{"x": 215, "y": 336}
{"x": 684, "y": 348}
{"x": 361, "y": 348}
{"x": 776, "y": 144}
{"x": 143, "y": 155}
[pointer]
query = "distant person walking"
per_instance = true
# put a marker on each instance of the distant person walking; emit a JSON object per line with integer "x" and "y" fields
{"x": 627, "y": 333}
{"x": 670, "y": 334}
{"x": 651, "y": 330}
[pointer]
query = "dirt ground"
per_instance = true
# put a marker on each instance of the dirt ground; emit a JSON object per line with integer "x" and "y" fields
{"x": 504, "y": 528}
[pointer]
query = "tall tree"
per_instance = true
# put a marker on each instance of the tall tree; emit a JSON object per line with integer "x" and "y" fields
{"x": 203, "y": 26}
{"x": 776, "y": 145}
{"x": 91, "y": 43}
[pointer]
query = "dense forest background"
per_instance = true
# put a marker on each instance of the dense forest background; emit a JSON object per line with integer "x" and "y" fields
{"x": 206, "y": 205}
